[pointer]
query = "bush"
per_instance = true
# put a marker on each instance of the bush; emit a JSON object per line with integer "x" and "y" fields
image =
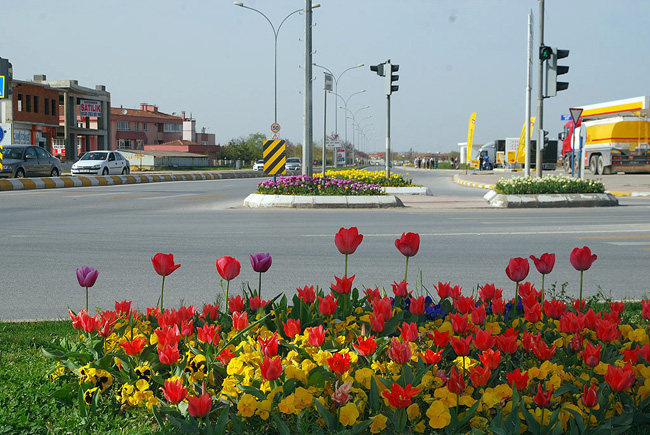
{"x": 371, "y": 177}
{"x": 547, "y": 185}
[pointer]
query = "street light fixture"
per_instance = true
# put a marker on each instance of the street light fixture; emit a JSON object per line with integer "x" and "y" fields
{"x": 275, "y": 35}
{"x": 346, "y": 108}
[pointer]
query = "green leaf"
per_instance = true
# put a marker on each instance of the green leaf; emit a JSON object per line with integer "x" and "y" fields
{"x": 330, "y": 420}
{"x": 223, "y": 420}
{"x": 65, "y": 392}
{"x": 533, "y": 425}
{"x": 253, "y": 391}
{"x": 316, "y": 378}
{"x": 375, "y": 403}
{"x": 283, "y": 429}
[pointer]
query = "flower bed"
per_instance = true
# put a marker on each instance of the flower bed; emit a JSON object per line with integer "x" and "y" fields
{"x": 363, "y": 361}
{"x": 305, "y": 185}
{"x": 371, "y": 177}
{"x": 547, "y": 185}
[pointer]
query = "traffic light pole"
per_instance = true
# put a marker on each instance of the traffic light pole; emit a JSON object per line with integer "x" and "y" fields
{"x": 540, "y": 97}
{"x": 388, "y": 136}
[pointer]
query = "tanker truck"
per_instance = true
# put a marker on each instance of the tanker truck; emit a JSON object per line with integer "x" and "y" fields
{"x": 615, "y": 137}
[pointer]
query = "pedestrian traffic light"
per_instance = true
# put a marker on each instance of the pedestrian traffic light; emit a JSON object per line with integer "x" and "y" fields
{"x": 545, "y": 52}
{"x": 390, "y": 78}
{"x": 379, "y": 69}
{"x": 553, "y": 70}
{"x": 6, "y": 74}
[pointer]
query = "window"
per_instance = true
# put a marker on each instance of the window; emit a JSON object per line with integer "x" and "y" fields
{"x": 173, "y": 128}
{"x": 124, "y": 144}
{"x": 20, "y": 102}
{"x": 123, "y": 125}
{"x": 47, "y": 106}
{"x": 35, "y": 103}
{"x": 140, "y": 144}
{"x": 42, "y": 154}
{"x": 28, "y": 103}
{"x": 144, "y": 126}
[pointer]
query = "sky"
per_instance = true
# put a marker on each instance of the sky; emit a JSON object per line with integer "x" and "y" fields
{"x": 215, "y": 61}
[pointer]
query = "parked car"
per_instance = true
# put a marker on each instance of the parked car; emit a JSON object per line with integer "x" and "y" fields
{"x": 28, "y": 160}
{"x": 293, "y": 164}
{"x": 101, "y": 163}
{"x": 258, "y": 166}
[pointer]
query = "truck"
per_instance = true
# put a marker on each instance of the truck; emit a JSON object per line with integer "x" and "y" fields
{"x": 615, "y": 137}
{"x": 502, "y": 153}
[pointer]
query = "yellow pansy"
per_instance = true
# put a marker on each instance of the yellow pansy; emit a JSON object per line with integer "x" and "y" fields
{"x": 293, "y": 372}
{"x": 439, "y": 416}
{"x": 363, "y": 376}
{"x": 287, "y": 406}
{"x": 413, "y": 411}
{"x": 247, "y": 405}
{"x": 142, "y": 385}
{"x": 349, "y": 414}
{"x": 378, "y": 423}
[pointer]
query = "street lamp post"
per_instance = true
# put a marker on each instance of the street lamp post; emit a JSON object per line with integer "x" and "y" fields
{"x": 275, "y": 55}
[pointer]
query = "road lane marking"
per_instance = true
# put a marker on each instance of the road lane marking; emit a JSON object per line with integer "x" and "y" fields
{"x": 637, "y": 236}
{"x": 203, "y": 197}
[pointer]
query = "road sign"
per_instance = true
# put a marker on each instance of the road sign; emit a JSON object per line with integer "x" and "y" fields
{"x": 565, "y": 117}
{"x": 576, "y": 114}
{"x": 2, "y": 86}
{"x": 275, "y": 127}
{"x": 275, "y": 157}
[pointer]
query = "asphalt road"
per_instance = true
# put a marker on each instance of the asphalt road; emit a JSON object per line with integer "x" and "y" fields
{"x": 117, "y": 229}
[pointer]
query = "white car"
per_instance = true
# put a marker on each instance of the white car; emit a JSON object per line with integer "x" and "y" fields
{"x": 259, "y": 165}
{"x": 101, "y": 163}
{"x": 293, "y": 164}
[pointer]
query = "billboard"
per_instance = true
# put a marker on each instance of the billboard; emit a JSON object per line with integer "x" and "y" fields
{"x": 90, "y": 108}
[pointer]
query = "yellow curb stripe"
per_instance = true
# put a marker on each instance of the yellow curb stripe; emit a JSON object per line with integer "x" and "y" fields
{"x": 619, "y": 193}
{"x": 49, "y": 183}
{"x": 28, "y": 184}
{"x": 103, "y": 181}
{"x": 6, "y": 185}
{"x": 85, "y": 181}
{"x": 67, "y": 182}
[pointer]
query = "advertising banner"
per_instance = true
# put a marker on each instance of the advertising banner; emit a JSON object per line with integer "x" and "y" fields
{"x": 340, "y": 156}
{"x": 90, "y": 108}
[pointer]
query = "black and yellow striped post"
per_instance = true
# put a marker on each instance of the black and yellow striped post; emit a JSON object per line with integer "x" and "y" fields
{"x": 275, "y": 157}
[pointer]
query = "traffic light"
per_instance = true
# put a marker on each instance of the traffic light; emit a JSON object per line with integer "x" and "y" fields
{"x": 390, "y": 78}
{"x": 545, "y": 52}
{"x": 379, "y": 69}
{"x": 6, "y": 74}
{"x": 553, "y": 70}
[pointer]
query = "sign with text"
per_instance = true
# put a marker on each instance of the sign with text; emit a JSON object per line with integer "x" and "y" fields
{"x": 90, "y": 108}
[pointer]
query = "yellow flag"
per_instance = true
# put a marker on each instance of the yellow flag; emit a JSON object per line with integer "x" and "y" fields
{"x": 521, "y": 150}
{"x": 470, "y": 137}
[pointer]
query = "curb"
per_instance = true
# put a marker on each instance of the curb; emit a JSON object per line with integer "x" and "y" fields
{"x": 105, "y": 180}
{"x": 458, "y": 180}
{"x": 257, "y": 200}
{"x": 549, "y": 201}
{"x": 413, "y": 190}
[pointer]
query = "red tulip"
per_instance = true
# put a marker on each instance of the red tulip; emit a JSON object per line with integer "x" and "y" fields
{"x": 478, "y": 315}
{"x": 343, "y": 285}
{"x": 269, "y": 346}
{"x": 517, "y": 269}
{"x": 464, "y": 304}
{"x": 484, "y": 340}
{"x": 542, "y": 351}
{"x": 479, "y": 376}
{"x": 228, "y": 268}
{"x": 372, "y": 294}
{"x": 316, "y": 336}
{"x": 518, "y": 379}
{"x": 366, "y": 346}
{"x": 341, "y": 394}
{"x": 256, "y": 303}
{"x": 533, "y": 313}
{"x": 416, "y": 305}
{"x": 570, "y": 323}
{"x": 236, "y": 304}
{"x": 543, "y": 398}
{"x": 163, "y": 264}
{"x": 271, "y": 368}
{"x": 169, "y": 354}
{"x": 292, "y": 327}
{"x": 339, "y": 363}
{"x": 490, "y": 358}
{"x": 400, "y": 352}
{"x": 582, "y": 259}
{"x": 489, "y": 292}
{"x": 441, "y": 339}
{"x": 498, "y": 306}
{"x": 307, "y": 294}
{"x": 445, "y": 290}
{"x": 400, "y": 290}
{"x": 239, "y": 320}
{"x": 589, "y": 396}
{"x": 645, "y": 309}
{"x": 134, "y": 346}
{"x": 174, "y": 391}
{"x": 460, "y": 323}
{"x": 123, "y": 309}
{"x": 167, "y": 335}
{"x": 619, "y": 379}
{"x": 408, "y": 244}
{"x": 383, "y": 307}
{"x": 461, "y": 345}
{"x": 456, "y": 382}
{"x": 225, "y": 356}
{"x": 208, "y": 334}
{"x": 348, "y": 240}
{"x": 409, "y": 331}
{"x": 606, "y": 331}
{"x": 399, "y": 397}
{"x": 199, "y": 406}
{"x": 327, "y": 305}
{"x": 430, "y": 357}
{"x": 377, "y": 323}
{"x": 554, "y": 308}
{"x": 507, "y": 343}
{"x": 545, "y": 263}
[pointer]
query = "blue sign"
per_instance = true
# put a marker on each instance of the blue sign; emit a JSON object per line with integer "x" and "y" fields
{"x": 566, "y": 118}
{"x": 2, "y": 134}
{"x": 2, "y": 86}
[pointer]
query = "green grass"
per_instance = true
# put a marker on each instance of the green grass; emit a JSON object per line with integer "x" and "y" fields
{"x": 26, "y": 402}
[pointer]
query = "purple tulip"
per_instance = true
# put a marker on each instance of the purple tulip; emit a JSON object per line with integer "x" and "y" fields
{"x": 261, "y": 262}
{"x": 87, "y": 276}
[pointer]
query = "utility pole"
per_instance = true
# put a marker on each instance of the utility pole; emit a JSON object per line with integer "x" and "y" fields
{"x": 308, "y": 119}
{"x": 540, "y": 97}
{"x": 529, "y": 62}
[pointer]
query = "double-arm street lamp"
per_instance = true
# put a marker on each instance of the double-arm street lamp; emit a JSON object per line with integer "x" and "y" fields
{"x": 336, "y": 89}
{"x": 275, "y": 35}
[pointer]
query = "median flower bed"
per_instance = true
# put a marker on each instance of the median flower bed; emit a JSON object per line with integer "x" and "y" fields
{"x": 393, "y": 359}
{"x": 547, "y": 185}
{"x": 372, "y": 177}
{"x": 306, "y": 185}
